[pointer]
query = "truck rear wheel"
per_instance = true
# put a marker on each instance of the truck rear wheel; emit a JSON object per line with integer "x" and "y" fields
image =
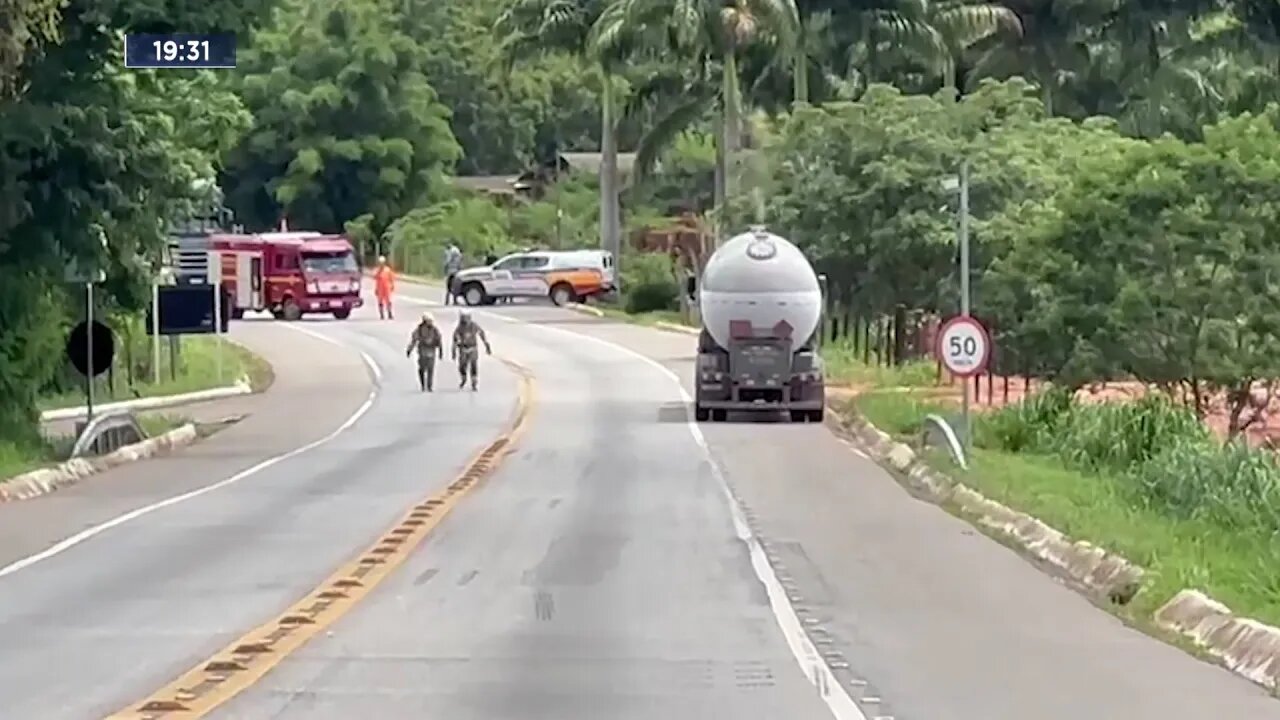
{"x": 817, "y": 415}
{"x": 719, "y": 415}
{"x": 799, "y": 415}
{"x": 701, "y": 414}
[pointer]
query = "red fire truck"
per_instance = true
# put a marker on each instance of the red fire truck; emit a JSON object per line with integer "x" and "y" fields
{"x": 289, "y": 274}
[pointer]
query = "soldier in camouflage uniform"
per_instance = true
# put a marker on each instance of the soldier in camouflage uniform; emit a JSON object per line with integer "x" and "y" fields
{"x": 465, "y": 350}
{"x": 426, "y": 339}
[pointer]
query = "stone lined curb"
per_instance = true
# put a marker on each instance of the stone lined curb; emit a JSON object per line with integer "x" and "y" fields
{"x": 47, "y": 480}
{"x": 241, "y": 387}
{"x": 1103, "y": 573}
{"x": 1247, "y": 647}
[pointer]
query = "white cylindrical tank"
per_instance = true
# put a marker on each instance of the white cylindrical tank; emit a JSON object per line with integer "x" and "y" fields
{"x": 760, "y": 278}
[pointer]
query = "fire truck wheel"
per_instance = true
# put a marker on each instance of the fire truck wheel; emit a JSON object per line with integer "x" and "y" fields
{"x": 719, "y": 415}
{"x": 799, "y": 415}
{"x": 291, "y": 310}
{"x": 816, "y": 415}
{"x": 342, "y": 314}
{"x": 701, "y": 414}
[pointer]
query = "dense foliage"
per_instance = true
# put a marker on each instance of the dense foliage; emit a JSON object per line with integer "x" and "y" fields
{"x": 1125, "y": 193}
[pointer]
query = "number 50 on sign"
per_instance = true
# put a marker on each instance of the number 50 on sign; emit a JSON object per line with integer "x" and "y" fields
{"x": 964, "y": 346}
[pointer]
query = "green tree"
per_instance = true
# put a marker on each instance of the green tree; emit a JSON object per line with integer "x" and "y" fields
{"x": 28, "y": 24}
{"x": 345, "y": 122}
{"x": 87, "y": 151}
{"x": 714, "y": 35}
{"x": 1161, "y": 264}
{"x": 533, "y": 28}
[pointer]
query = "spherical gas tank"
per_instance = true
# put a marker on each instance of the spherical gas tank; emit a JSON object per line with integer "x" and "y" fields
{"x": 761, "y": 279}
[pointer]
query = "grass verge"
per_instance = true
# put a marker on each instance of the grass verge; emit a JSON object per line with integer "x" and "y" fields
{"x": 197, "y": 369}
{"x": 1239, "y": 566}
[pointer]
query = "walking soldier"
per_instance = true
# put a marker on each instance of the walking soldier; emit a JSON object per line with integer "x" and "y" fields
{"x": 465, "y": 351}
{"x": 427, "y": 341}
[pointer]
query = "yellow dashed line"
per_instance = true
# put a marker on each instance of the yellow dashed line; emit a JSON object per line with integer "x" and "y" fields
{"x": 245, "y": 661}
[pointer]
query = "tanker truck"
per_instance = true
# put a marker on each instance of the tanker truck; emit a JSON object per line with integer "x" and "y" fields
{"x": 761, "y": 304}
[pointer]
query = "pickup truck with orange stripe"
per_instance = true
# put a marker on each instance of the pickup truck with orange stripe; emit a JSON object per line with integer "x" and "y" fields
{"x": 562, "y": 276}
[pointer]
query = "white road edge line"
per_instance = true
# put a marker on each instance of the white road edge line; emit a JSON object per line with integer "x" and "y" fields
{"x": 95, "y": 530}
{"x": 837, "y": 699}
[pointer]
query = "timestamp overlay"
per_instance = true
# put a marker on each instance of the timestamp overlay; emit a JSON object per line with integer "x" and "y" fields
{"x": 180, "y": 50}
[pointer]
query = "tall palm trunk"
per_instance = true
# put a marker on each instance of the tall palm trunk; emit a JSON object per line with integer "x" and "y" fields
{"x": 729, "y": 139}
{"x": 800, "y": 75}
{"x": 610, "y": 215}
{"x": 719, "y": 194}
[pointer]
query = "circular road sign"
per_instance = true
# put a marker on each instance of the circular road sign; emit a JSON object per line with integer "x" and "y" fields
{"x": 104, "y": 348}
{"x": 964, "y": 346}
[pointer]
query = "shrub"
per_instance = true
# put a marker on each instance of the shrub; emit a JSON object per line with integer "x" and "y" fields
{"x": 1168, "y": 461}
{"x": 648, "y": 283}
{"x": 1122, "y": 435}
{"x": 1234, "y": 486}
{"x": 1027, "y": 426}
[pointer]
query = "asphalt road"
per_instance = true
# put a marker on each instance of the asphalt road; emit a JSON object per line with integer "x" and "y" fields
{"x": 598, "y": 574}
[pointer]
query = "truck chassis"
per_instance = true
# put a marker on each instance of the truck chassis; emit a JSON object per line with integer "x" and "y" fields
{"x": 758, "y": 375}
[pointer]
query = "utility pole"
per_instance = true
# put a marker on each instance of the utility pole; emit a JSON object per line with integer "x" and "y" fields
{"x": 963, "y": 233}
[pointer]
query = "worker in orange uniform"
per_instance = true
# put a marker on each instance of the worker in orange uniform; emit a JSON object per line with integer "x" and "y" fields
{"x": 384, "y": 282}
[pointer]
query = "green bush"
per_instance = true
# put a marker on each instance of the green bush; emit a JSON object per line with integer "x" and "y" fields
{"x": 1103, "y": 436}
{"x": 1028, "y": 426}
{"x": 1234, "y": 486}
{"x": 1165, "y": 457}
{"x": 648, "y": 284}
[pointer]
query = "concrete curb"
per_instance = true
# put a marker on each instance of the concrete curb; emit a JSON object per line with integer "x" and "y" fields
{"x": 1247, "y": 647}
{"x": 674, "y": 327}
{"x": 585, "y": 309}
{"x": 47, "y": 480}
{"x": 241, "y": 387}
{"x": 1103, "y": 573}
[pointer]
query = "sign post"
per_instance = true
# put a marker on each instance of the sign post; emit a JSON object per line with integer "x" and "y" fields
{"x": 79, "y": 274}
{"x": 155, "y": 332}
{"x": 965, "y": 349}
{"x": 88, "y": 378}
{"x": 215, "y": 279}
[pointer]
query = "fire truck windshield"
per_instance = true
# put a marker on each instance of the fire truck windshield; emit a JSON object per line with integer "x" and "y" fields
{"x": 329, "y": 263}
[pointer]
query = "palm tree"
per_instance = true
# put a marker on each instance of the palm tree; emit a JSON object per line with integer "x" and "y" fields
{"x": 532, "y": 27}
{"x": 712, "y": 34}
{"x": 1056, "y": 47}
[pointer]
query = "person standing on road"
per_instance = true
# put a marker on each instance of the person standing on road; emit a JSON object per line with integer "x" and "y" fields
{"x": 427, "y": 341}
{"x": 465, "y": 351}
{"x": 384, "y": 285}
{"x": 452, "y": 264}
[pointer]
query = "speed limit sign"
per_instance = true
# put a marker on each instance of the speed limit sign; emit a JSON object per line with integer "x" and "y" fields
{"x": 964, "y": 346}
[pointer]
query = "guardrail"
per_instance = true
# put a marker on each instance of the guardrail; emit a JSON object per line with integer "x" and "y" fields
{"x": 107, "y": 433}
{"x": 937, "y": 431}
